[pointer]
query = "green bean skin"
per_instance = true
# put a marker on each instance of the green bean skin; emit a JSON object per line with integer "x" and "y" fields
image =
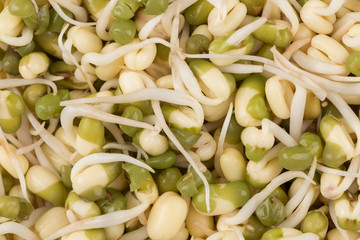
{"x": 236, "y": 193}
{"x": 274, "y": 35}
{"x": 125, "y": 9}
{"x": 253, "y": 7}
{"x": 55, "y": 21}
{"x": 21, "y": 8}
{"x": 315, "y": 222}
{"x": 253, "y": 229}
{"x": 48, "y": 106}
{"x": 95, "y": 6}
{"x": 162, "y": 161}
{"x": 344, "y": 207}
{"x": 162, "y": 52}
{"x": 272, "y": 210}
{"x": 133, "y": 113}
{"x": 33, "y": 93}
{"x": 155, "y": 7}
{"x": 48, "y": 42}
{"x": 115, "y": 202}
{"x": 136, "y": 175}
{"x": 189, "y": 183}
{"x": 9, "y": 207}
{"x": 295, "y": 158}
{"x": 197, "y": 44}
{"x": 313, "y": 142}
{"x": 187, "y": 139}
{"x": 123, "y": 31}
{"x": 26, "y": 49}
{"x": 234, "y": 131}
{"x": 198, "y": 13}
{"x": 353, "y": 63}
{"x": 10, "y": 62}
{"x": 167, "y": 179}
{"x": 65, "y": 173}
{"x": 333, "y": 155}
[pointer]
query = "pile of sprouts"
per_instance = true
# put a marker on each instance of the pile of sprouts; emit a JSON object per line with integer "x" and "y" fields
{"x": 179, "y": 119}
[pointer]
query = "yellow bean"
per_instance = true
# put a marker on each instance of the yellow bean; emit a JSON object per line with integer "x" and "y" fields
{"x": 167, "y": 216}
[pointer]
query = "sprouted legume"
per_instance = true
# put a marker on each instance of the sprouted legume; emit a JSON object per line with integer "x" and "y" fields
{"x": 179, "y": 119}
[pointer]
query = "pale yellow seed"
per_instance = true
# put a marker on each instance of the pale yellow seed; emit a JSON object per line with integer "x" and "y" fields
{"x": 114, "y": 232}
{"x": 236, "y": 12}
{"x": 195, "y": 222}
{"x": 110, "y": 71}
{"x": 233, "y": 164}
{"x": 33, "y": 175}
{"x": 51, "y": 221}
{"x": 166, "y": 216}
{"x": 140, "y": 59}
{"x": 153, "y": 143}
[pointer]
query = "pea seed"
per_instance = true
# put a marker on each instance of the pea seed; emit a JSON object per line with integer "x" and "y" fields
{"x": 10, "y": 62}
{"x": 295, "y": 158}
{"x": 134, "y": 113}
{"x": 33, "y": 93}
{"x": 162, "y": 161}
{"x": 123, "y": 31}
{"x": 21, "y": 8}
{"x": 167, "y": 179}
{"x": 197, "y": 44}
{"x": 155, "y": 7}
{"x": 198, "y": 13}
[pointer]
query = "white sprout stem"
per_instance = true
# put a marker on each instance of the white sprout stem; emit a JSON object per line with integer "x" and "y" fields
{"x": 314, "y": 65}
{"x": 119, "y": 146}
{"x": 23, "y": 131}
{"x": 333, "y": 7}
{"x": 290, "y": 13}
{"x": 32, "y": 145}
{"x": 296, "y": 45}
{"x": 17, "y": 82}
{"x": 17, "y": 229}
{"x": 191, "y": 83}
{"x": 184, "y": 36}
{"x": 300, "y": 213}
{"x": 279, "y": 133}
{"x": 102, "y": 221}
{"x": 97, "y": 158}
{"x": 267, "y": 9}
{"x": 107, "y": 58}
{"x": 103, "y": 21}
{"x": 116, "y": 132}
{"x": 304, "y": 236}
{"x": 348, "y": 180}
{"x": 353, "y": 42}
{"x": 79, "y": 12}
{"x": 337, "y": 172}
{"x": 15, "y": 163}
{"x": 349, "y": 116}
{"x": 44, "y": 161}
{"x": 237, "y": 37}
{"x": 34, "y": 216}
{"x": 316, "y": 89}
{"x": 241, "y": 68}
{"x": 178, "y": 5}
{"x": 138, "y": 234}
{"x": 297, "y": 111}
{"x": 149, "y": 27}
{"x": 114, "y": 83}
{"x": 140, "y": 151}
{"x": 69, "y": 113}
{"x": 55, "y": 144}
{"x": 343, "y": 78}
{"x": 165, "y": 95}
{"x": 222, "y": 136}
{"x": 231, "y": 56}
{"x": 299, "y": 195}
{"x": 286, "y": 65}
{"x": 25, "y": 38}
{"x": 72, "y": 58}
{"x": 30, "y": 156}
{"x": 175, "y": 27}
{"x": 296, "y": 5}
{"x": 51, "y": 77}
{"x": 61, "y": 13}
{"x": 250, "y": 206}
{"x": 343, "y": 232}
